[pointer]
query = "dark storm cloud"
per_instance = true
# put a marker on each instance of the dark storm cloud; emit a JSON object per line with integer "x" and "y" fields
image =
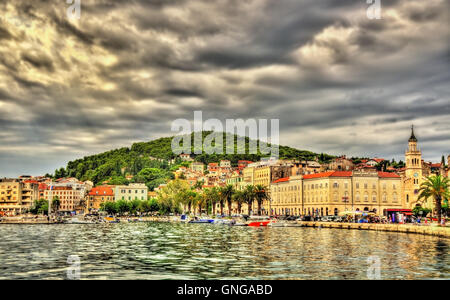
{"x": 40, "y": 62}
{"x": 339, "y": 82}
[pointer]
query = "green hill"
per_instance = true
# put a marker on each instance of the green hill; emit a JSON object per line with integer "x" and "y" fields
{"x": 149, "y": 162}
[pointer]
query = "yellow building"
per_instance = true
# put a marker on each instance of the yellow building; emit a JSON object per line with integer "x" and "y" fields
{"x": 286, "y": 196}
{"x": 97, "y": 196}
{"x": 330, "y": 193}
{"x": 235, "y": 180}
{"x": 130, "y": 192}
{"x": 17, "y": 197}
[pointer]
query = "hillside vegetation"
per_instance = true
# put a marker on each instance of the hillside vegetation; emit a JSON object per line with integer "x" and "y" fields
{"x": 148, "y": 162}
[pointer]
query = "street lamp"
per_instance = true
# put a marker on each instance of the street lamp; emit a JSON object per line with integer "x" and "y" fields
{"x": 345, "y": 199}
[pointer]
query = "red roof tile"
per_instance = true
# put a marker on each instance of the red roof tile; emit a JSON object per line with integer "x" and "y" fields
{"x": 35, "y": 181}
{"x": 101, "y": 191}
{"x": 341, "y": 174}
{"x": 281, "y": 180}
{"x": 318, "y": 175}
{"x": 378, "y": 160}
{"x": 388, "y": 175}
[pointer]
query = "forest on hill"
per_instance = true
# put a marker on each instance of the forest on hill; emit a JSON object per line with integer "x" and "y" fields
{"x": 153, "y": 162}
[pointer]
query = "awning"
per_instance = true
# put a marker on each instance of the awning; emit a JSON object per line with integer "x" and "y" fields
{"x": 399, "y": 210}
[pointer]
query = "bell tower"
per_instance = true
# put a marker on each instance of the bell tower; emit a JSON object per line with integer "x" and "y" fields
{"x": 413, "y": 171}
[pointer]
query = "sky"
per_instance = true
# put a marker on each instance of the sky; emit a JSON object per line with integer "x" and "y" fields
{"x": 339, "y": 82}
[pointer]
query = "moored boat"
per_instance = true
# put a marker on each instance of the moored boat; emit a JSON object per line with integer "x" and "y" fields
{"x": 202, "y": 221}
{"x": 111, "y": 219}
{"x": 76, "y": 220}
{"x": 259, "y": 221}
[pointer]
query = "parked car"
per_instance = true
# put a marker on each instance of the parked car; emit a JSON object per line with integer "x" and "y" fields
{"x": 339, "y": 219}
{"x": 305, "y": 218}
{"x": 327, "y": 219}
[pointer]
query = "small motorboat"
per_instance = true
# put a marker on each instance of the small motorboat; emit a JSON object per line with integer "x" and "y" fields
{"x": 76, "y": 220}
{"x": 111, "y": 219}
{"x": 240, "y": 224}
{"x": 259, "y": 221}
{"x": 202, "y": 221}
{"x": 278, "y": 224}
{"x": 224, "y": 222}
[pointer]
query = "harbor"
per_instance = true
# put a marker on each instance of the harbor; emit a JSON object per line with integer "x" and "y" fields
{"x": 169, "y": 250}
{"x": 254, "y": 221}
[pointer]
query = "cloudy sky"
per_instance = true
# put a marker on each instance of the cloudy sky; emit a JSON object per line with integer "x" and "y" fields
{"x": 339, "y": 82}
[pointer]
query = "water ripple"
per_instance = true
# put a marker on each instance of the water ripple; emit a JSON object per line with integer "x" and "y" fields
{"x": 188, "y": 251}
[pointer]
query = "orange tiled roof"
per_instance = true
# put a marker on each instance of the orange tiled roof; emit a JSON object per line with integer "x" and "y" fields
{"x": 319, "y": 175}
{"x": 388, "y": 175}
{"x": 35, "y": 181}
{"x": 281, "y": 180}
{"x": 378, "y": 159}
{"x": 101, "y": 191}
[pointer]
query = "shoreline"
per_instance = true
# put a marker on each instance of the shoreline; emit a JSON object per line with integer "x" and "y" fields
{"x": 432, "y": 230}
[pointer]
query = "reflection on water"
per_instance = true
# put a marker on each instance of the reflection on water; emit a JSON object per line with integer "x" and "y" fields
{"x": 198, "y": 251}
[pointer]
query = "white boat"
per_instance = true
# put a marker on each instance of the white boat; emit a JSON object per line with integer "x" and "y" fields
{"x": 224, "y": 222}
{"x": 75, "y": 220}
{"x": 278, "y": 224}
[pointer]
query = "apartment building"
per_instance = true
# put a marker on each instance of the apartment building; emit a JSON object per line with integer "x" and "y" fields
{"x": 16, "y": 196}
{"x": 97, "y": 196}
{"x": 130, "y": 192}
{"x": 329, "y": 193}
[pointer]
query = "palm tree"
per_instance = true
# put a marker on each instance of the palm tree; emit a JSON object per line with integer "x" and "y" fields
{"x": 437, "y": 187}
{"x": 260, "y": 195}
{"x": 227, "y": 193}
{"x": 212, "y": 196}
{"x": 249, "y": 196}
{"x": 222, "y": 199}
{"x": 239, "y": 199}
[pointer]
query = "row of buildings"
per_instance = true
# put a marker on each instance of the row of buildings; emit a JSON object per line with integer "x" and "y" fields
{"x": 311, "y": 188}
{"x": 18, "y": 195}
{"x": 295, "y": 187}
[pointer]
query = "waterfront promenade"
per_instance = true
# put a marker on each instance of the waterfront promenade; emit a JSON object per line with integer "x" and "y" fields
{"x": 433, "y": 230}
